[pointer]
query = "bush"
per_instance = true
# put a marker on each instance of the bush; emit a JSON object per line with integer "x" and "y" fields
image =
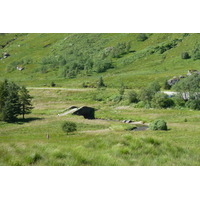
{"x": 179, "y": 102}
{"x": 132, "y": 97}
{"x": 53, "y": 84}
{"x": 196, "y": 52}
{"x": 158, "y": 125}
{"x": 185, "y": 55}
{"x": 166, "y": 86}
{"x": 193, "y": 104}
{"x": 43, "y": 69}
{"x": 100, "y": 83}
{"x": 161, "y": 100}
{"x": 69, "y": 127}
{"x": 140, "y": 104}
{"x": 142, "y": 37}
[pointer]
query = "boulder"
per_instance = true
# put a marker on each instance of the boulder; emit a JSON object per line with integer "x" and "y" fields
{"x": 5, "y": 55}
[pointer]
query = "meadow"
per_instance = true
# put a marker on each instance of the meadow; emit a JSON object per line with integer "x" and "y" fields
{"x": 98, "y": 142}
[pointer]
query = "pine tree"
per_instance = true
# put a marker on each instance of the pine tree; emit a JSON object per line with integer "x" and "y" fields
{"x": 25, "y": 101}
{"x": 100, "y": 83}
{"x": 11, "y": 104}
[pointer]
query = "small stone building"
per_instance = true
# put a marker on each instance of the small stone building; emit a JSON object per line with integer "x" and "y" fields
{"x": 86, "y": 112}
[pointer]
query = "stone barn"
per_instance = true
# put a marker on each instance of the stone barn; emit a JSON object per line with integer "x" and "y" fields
{"x": 86, "y": 112}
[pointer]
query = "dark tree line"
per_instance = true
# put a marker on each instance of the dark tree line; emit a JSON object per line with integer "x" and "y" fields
{"x": 14, "y": 101}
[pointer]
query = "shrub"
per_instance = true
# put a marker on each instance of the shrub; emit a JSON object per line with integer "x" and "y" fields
{"x": 161, "y": 100}
{"x": 185, "y": 55}
{"x": 69, "y": 127}
{"x": 140, "y": 104}
{"x": 142, "y": 37}
{"x": 158, "y": 125}
{"x": 196, "y": 52}
{"x": 53, "y": 84}
{"x": 166, "y": 86}
{"x": 193, "y": 104}
{"x": 43, "y": 69}
{"x": 132, "y": 97}
{"x": 178, "y": 101}
{"x": 148, "y": 93}
{"x": 100, "y": 83}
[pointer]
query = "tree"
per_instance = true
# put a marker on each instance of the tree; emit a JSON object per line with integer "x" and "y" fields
{"x": 161, "y": 100}
{"x": 148, "y": 93}
{"x": 100, "y": 83}
{"x": 25, "y": 101}
{"x": 11, "y": 105}
{"x": 189, "y": 90}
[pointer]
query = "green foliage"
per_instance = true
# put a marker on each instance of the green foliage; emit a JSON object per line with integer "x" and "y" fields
{"x": 10, "y": 68}
{"x": 166, "y": 86}
{"x": 132, "y": 97}
{"x": 142, "y": 37}
{"x": 121, "y": 89}
{"x": 120, "y": 49}
{"x": 33, "y": 158}
{"x": 13, "y": 101}
{"x": 161, "y": 100}
{"x": 158, "y": 125}
{"x": 100, "y": 83}
{"x": 103, "y": 65}
{"x": 69, "y": 127}
{"x": 189, "y": 87}
{"x": 10, "y": 105}
{"x": 25, "y": 101}
{"x": 193, "y": 104}
{"x": 178, "y": 101}
{"x": 53, "y": 84}
{"x": 196, "y": 52}
{"x": 185, "y": 55}
{"x": 147, "y": 94}
{"x": 43, "y": 69}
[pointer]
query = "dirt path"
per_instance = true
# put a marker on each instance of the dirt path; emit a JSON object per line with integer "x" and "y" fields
{"x": 55, "y": 88}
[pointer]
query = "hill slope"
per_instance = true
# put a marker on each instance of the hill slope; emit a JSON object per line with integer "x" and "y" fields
{"x": 71, "y": 59}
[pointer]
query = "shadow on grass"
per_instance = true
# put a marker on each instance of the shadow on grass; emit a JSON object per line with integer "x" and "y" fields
{"x": 27, "y": 120}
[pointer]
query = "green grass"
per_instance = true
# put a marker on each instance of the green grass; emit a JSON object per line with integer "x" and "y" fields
{"x": 98, "y": 142}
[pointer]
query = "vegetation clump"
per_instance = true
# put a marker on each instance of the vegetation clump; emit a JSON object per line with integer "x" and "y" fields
{"x": 185, "y": 55}
{"x": 14, "y": 100}
{"x": 158, "y": 125}
{"x": 189, "y": 90}
{"x": 132, "y": 97}
{"x": 100, "y": 83}
{"x": 142, "y": 37}
{"x": 69, "y": 127}
{"x": 161, "y": 100}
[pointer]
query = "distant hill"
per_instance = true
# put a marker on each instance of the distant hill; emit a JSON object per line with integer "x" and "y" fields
{"x": 69, "y": 60}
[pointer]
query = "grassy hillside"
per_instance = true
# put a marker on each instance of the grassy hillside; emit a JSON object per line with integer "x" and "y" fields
{"x": 69, "y": 60}
{"x": 49, "y": 57}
